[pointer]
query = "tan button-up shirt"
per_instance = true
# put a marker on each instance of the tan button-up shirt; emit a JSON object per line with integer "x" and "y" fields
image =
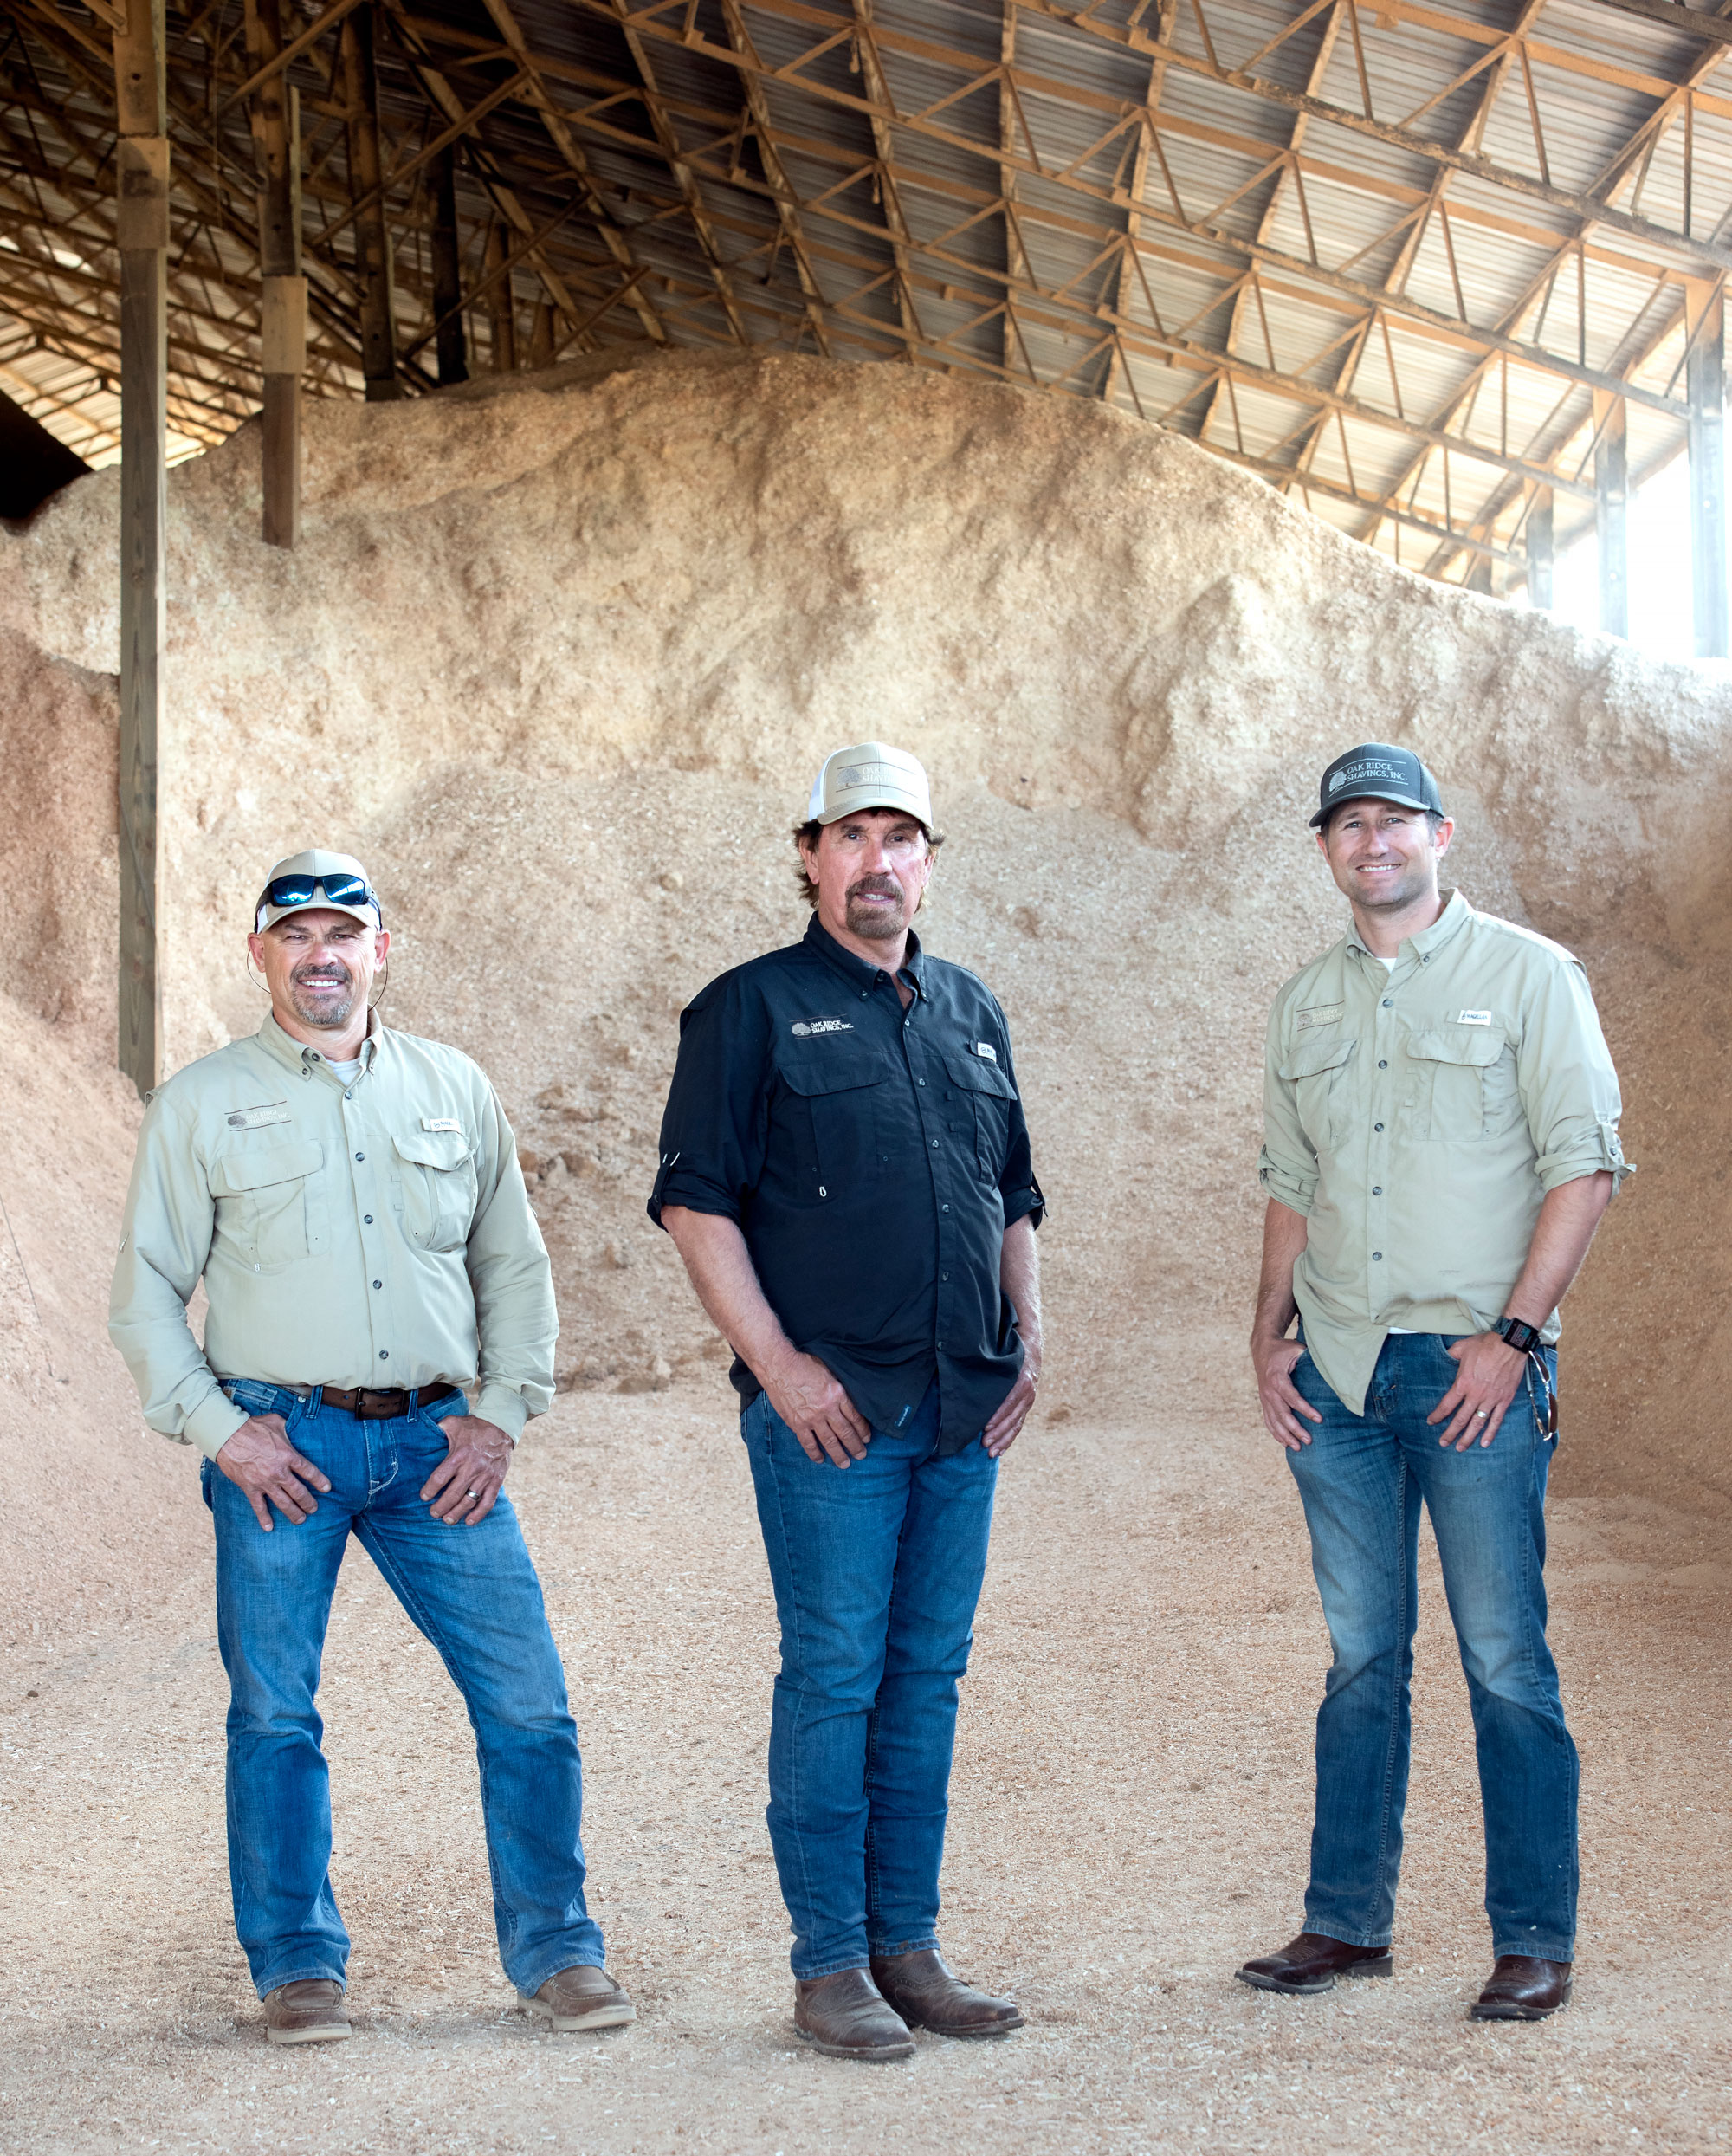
{"x": 1417, "y": 1116}
{"x": 374, "y": 1233}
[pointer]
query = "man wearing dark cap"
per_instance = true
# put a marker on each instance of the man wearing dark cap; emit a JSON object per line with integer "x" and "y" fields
{"x": 845, "y": 1171}
{"x": 1441, "y": 1139}
{"x": 352, "y": 1199}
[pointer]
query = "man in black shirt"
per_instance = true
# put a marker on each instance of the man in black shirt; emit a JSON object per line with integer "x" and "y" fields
{"x": 845, "y": 1171}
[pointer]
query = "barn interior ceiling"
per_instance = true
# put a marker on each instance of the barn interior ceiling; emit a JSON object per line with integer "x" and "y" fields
{"x": 1417, "y": 265}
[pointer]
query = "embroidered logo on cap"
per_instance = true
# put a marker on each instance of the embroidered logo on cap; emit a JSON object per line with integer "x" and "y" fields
{"x": 801, "y": 1026}
{"x": 1367, "y": 767}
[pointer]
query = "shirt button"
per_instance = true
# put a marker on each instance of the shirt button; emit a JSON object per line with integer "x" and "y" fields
{"x": 1377, "y": 1126}
{"x": 1382, "y": 1064}
{"x": 1389, "y": 1004}
{"x": 934, "y": 1145}
{"x": 920, "y": 1081}
{"x": 944, "y": 1208}
{"x": 1376, "y": 1192}
{"x": 360, "y": 1157}
{"x": 940, "y": 1347}
{"x": 944, "y": 1276}
{"x": 1377, "y": 1256}
{"x": 368, "y": 1217}
{"x": 378, "y": 1283}
{"x": 384, "y": 1355}
{"x": 348, "y": 1097}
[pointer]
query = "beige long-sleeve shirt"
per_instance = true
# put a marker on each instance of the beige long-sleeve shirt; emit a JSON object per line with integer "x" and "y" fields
{"x": 1416, "y": 1115}
{"x": 373, "y": 1233}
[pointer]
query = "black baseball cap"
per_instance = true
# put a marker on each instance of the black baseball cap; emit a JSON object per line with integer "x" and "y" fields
{"x": 1375, "y": 771}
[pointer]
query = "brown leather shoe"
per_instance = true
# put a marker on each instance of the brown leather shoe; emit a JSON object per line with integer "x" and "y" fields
{"x": 1312, "y": 1962}
{"x": 928, "y": 1995}
{"x": 1523, "y": 1987}
{"x": 845, "y": 2016}
{"x": 582, "y": 1998}
{"x": 311, "y": 2011}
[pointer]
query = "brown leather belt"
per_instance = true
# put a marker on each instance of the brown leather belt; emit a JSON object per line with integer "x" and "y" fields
{"x": 370, "y": 1405}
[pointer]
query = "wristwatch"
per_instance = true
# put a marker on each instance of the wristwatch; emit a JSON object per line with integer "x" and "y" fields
{"x": 1524, "y": 1338}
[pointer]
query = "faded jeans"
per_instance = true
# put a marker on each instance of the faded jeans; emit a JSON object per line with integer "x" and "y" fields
{"x": 877, "y": 1569}
{"x": 473, "y": 1592}
{"x": 1363, "y": 1479}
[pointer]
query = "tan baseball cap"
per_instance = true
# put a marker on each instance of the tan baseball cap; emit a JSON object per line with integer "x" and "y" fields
{"x": 871, "y": 775}
{"x": 336, "y": 880}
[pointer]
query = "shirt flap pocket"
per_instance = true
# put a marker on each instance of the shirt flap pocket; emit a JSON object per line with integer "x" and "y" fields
{"x": 238, "y": 1172}
{"x": 1312, "y": 1057}
{"x": 812, "y": 1075}
{"x": 433, "y": 1149}
{"x": 976, "y": 1075}
{"x": 1479, "y": 1046}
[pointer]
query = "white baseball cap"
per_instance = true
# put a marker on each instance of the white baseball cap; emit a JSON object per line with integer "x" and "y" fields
{"x": 871, "y": 775}
{"x": 336, "y": 880}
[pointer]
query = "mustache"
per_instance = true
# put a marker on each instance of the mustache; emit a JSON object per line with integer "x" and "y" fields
{"x": 883, "y": 886}
{"x": 312, "y": 969}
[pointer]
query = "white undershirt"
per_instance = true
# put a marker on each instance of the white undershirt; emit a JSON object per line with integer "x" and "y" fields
{"x": 347, "y": 1071}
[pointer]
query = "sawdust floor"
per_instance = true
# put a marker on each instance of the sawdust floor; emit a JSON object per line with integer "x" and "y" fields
{"x": 1131, "y": 1811}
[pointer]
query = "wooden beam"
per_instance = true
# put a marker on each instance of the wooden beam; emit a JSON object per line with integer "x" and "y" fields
{"x": 373, "y": 271}
{"x": 501, "y": 306}
{"x": 142, "y": 176}
{"x": 276, "y": 145}
{"x": 752, "y": 74}
{"x": 1706, "y": 371}
{"x": 1669, "y": 16}
{"x": 1611, "y": 477}
{"x": 883, "y": 144}
{"x": 288, "y": 53}
{"x": 448, "y": 273}
{"x": 1537, "y": 539}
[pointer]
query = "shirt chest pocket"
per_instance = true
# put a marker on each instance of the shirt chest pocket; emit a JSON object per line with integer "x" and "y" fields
{"x": 1460, "y": 1086}
{"x": 1317, "y": 1070}
{"x": 269, "y": 1206}
{"x": 837, "y": 1123}
{"x": 980, "y": 1098}
{"x": 433, "y": 1188}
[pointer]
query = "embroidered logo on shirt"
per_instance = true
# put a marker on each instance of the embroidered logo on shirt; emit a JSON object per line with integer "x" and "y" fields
{"x": 259, "y": 1118}
{"x": 1474, "y": 1018}
{"x": 801, "y": 1026}
{"x": 439, "y": 1123}
{"x": 1320, "y": 1014}
{"x": 985, "y": 1048}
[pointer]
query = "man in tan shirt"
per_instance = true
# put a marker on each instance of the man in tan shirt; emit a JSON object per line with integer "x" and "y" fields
{"x": 1441, "y": 1139}
{"x": 352, "y": 1199}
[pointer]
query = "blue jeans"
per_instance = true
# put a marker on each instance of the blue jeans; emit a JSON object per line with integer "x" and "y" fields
{"x": 473, "y": 1592}
{"x": 877, "y": 1569}
{"x": 1363, "y": 1479}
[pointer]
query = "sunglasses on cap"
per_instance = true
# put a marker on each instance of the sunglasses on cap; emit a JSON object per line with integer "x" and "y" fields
{"x": 340, "y": 891}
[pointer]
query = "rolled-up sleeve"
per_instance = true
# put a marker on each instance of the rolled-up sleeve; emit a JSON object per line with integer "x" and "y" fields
{"x": 1287, "y": 1166}
{"x": 516, "y": 1323}
{"x": 1022, "y": 1195}
{"x": 713, "y": 1129}
{"x": 165, "y": 1240}
{"x": 1567, "y": 1083}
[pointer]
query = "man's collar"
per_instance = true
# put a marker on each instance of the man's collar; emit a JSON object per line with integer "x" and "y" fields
{"x": 1423, "y": 942}
{"x": 299, "y": 1056}
{"x": 856, "y": 970}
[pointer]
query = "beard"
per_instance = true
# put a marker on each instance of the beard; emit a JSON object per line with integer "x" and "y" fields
{"x": 874, "y": 921}
{"x": 1409, "y": 883}
{"x": 323, "y": 1004}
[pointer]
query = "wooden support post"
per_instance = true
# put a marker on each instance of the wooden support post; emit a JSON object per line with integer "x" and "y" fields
{"x": 276, "y": 148}
{"x": 1706, "y": 372}
{"x": 541, "y": 335}
{"x": 448, "y": 285}
{"x": 372, "y": 241}
{"x": 502, "y": 358}
{"x": 1612, "y": 490}
{"x": 1537, "y": 537}
{"x": 141, "y": 163}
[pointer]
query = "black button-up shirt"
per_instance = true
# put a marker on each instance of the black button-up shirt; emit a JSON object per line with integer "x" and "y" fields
{"x": 873, "y": 1158}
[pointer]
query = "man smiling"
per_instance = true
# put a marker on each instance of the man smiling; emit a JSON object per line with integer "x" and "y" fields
{"x": 1441, "y": 1139}
{"x": 845, "y": 1171}
{"x": 351, "y": 1197}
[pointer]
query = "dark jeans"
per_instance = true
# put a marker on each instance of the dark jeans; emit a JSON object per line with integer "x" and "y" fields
{"x": 1363, "y": 1479}
{"x": 473, "y": 1592}
{"x": 877, "y": 1569}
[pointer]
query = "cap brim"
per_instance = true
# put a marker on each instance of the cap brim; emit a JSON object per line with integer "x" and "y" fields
{"x": 1368, "y": 793}
{"x": 878, "y": 797}
{"x": 273, "y": 914}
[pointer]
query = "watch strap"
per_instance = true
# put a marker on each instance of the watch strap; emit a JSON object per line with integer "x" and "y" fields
{"x": 1520, "y": 1335}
